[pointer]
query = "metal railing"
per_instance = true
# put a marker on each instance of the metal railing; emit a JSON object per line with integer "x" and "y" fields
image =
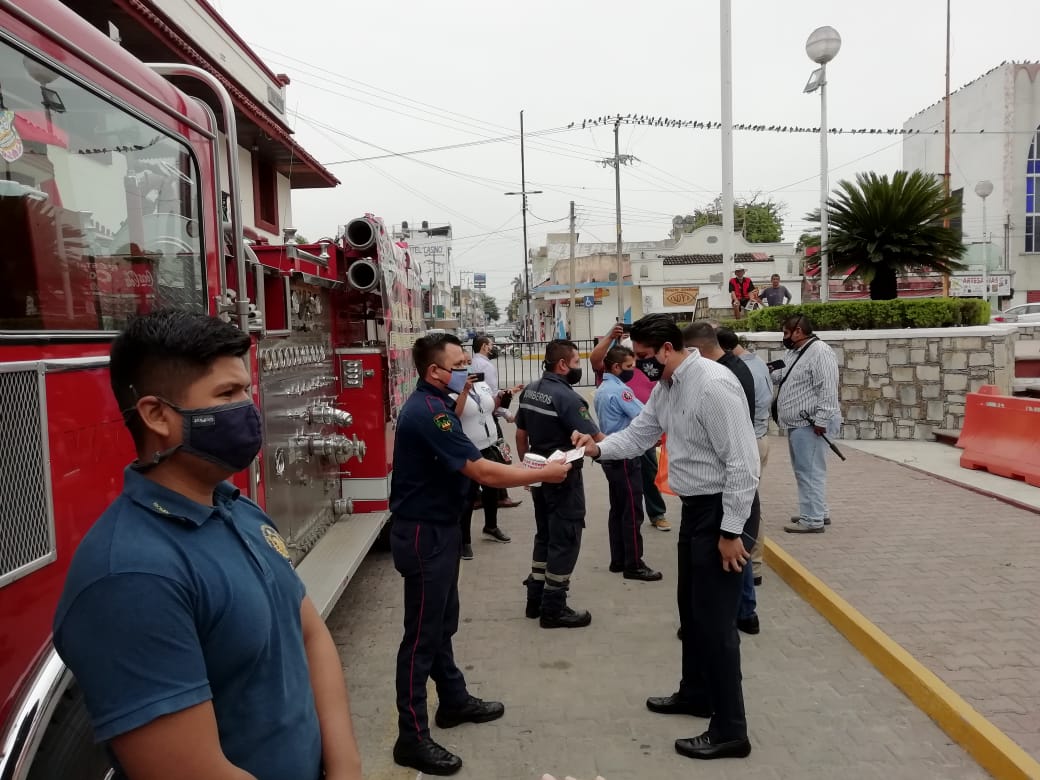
{"x": 520, "y": 362}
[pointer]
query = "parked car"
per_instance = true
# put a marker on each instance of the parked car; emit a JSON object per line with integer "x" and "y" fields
{"x": 1025, "y": 312}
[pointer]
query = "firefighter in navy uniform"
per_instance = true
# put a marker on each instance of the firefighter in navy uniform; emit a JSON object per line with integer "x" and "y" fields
{"x": 434, "y": 462}
{"x": 549, "y": 412}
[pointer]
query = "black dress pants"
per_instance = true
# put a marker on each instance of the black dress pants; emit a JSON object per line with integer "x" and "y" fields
{"x": 427, "y": 556}
{"x": 708, "y": 600}
{"x": 625, "y": 483}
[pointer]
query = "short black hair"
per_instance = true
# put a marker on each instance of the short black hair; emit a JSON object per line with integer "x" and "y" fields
{"x": 616, "y": 356}
{"x": 557, "y": 350}
{"x": 799, "y": 321}
{"x": 700, "y": 333}
{"x": 656, "y": 330}
{"x": 163, "y": 353}
{"x": 775, "y": 276}
{"x": 427, "y": 349}
{"x": 479, "y": 342}
{"x": 728, "y": 339}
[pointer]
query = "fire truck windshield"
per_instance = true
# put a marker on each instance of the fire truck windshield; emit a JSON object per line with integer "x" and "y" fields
{"x": 100, "y": 210}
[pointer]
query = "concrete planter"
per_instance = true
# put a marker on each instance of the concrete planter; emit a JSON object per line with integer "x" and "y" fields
{"x": 903, "y": 384}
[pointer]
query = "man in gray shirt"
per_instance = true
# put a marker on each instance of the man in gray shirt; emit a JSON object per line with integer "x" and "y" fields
{"x": 807, "y": 406}
{"x": 775, "y": 294}
{"x": 713, "y": 467}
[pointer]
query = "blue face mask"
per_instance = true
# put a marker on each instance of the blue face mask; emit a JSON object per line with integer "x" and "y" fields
{"x": 228, "y": 435}
{"x": 457, "y": 383}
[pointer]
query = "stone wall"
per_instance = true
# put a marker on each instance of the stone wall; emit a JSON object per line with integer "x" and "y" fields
{"x": 903, "y": 384}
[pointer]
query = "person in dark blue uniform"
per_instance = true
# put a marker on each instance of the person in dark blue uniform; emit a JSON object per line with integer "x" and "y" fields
{"x": 188, "y": 631}
{"x": 434, "y": 462}
{"x": 549, "y": 412}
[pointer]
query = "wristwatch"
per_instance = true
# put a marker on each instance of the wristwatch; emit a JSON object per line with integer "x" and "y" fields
{"x": 729, "y": 535}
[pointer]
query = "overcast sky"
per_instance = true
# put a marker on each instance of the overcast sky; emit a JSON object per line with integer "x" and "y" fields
{"x": 406, "y": 75}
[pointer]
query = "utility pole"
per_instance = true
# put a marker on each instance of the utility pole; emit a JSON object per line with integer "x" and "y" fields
{"x": 726, "y": 68}
{"x": 617, "y": 191}
{"x": 572, "y": 308}
{"x": 523, "y": 195}
{"x": 946, "y": 132}
{"x": 617, "y": 161}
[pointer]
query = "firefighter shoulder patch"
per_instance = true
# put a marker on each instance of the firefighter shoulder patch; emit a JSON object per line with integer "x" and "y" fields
{"x": 442, "y": 421}
{"x": 584, "y": 413}
{"x": 275, "y": 541}
{"x": 626, "y": 395}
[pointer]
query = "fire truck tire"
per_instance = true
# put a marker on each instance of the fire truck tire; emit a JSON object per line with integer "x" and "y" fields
{"x": 67, "y": 751}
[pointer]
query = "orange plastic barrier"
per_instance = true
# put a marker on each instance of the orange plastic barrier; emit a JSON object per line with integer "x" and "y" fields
{"x": 662, "y": 469}
{"x": 1001, "y": 435}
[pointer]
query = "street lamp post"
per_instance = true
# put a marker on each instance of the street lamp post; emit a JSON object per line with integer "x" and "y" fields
{"x": 984, "y": 189}
{"x": 823, "y": 45}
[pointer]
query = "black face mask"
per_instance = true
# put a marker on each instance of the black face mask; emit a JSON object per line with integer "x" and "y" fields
{"x": 493, "y": 354}
{"x": 573, "y": 376}
{"x": 626, "y": 374}
{"x": 788, "y": 342}
{"x": 652, "y": 367}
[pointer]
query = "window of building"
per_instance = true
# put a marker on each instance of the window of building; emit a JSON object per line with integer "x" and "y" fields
{"x": 265, "y": 194}
{"x": 1033, "y": 195}
{"x": 100, "y": 210}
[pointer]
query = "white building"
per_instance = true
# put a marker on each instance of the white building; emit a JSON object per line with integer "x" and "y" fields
{"x": 430, "y": 246}
{"x": 996, "y": 120}
{"x": 666, "y": 276}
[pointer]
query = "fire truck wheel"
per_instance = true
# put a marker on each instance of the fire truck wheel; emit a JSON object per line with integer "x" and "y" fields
{"x": 67, "y": 751}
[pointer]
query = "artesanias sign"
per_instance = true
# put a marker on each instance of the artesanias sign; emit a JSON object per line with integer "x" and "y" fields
{"x": 975, "y": 285}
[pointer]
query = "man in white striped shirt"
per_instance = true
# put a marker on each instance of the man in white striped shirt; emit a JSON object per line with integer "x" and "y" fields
{"x": 807, "y": 406}
{"x": 713, "y": 465}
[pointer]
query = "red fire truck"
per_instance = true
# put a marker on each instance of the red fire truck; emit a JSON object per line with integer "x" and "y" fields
{"x": 110, "y": 206}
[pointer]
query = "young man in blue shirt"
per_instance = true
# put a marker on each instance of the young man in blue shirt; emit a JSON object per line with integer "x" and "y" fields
{"x": 192, "y": 638}
{"x": 616, "y": 407}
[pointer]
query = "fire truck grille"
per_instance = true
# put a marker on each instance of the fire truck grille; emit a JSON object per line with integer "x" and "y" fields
{"x": 26, "y": 520}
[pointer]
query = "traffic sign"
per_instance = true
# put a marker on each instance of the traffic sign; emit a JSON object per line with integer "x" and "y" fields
{"x": 589, "y": 301}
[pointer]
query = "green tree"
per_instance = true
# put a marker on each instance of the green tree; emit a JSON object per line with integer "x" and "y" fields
{"x": 759, "y": 221}
{"x": 489, "y": 306}
{"x": 879, "y": 228}
{"x": 516, "y": 300}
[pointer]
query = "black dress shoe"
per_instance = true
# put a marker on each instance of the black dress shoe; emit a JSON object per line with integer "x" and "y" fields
{"x": 644, "y": 573}
{"x": 426, "y": 756}
{"x": 473, "y": 711}
{"x": 616, "y": 568}
{"x": 706, "y": 748}
{"x": 749, "y": 625}
{"x": 567, "y": 618}
{"x": 497, "y": 534}
{"x": 676, "y": 705}
{"x": 758, "y": 580}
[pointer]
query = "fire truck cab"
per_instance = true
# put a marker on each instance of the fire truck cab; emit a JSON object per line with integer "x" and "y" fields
{"x": 110, "y": 206}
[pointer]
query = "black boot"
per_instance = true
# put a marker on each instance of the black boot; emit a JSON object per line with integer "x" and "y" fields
{"x": 566, "y": 618}
{"x": 534, "y": 597}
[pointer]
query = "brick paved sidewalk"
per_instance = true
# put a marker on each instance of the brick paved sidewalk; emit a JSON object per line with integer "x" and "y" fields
{"x": 950, "y": 575}
{"x": 575, "y": 699}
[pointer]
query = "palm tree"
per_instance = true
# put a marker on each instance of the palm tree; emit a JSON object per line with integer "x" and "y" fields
{"x": 881, "y": 228}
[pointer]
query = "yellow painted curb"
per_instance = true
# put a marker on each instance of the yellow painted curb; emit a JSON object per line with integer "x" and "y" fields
{"x": 992, "y": 748}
